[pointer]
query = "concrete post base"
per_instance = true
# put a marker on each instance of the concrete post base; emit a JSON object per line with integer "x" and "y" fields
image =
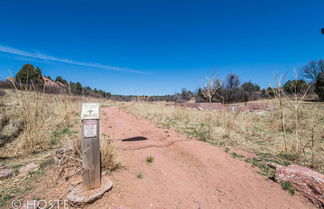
{"x": 78, "y": 197}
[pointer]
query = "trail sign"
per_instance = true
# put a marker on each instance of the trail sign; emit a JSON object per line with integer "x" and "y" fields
{"x": 90, "y": 146}
{"x": 90, "y": 128}
{"x": 90, "y": 111}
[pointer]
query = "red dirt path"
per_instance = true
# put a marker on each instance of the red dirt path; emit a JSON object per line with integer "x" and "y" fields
{"x": 185, "y": 173}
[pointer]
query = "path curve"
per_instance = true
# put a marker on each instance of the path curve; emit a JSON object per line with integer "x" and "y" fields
{"x": 185, "y": 173}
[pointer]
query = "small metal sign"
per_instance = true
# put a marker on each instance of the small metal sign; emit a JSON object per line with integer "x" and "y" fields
{"x": 90, "y": 111}
{"x": 90, "y": 128}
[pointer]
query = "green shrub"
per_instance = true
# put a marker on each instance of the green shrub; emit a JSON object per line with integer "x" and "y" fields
{"x": 235, "y": 155}
{"x": 149, "y": 159}
{"x": 286, "y": 185}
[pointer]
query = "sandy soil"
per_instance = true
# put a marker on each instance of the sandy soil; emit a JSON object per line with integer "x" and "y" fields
{"x": 185, "y": 173}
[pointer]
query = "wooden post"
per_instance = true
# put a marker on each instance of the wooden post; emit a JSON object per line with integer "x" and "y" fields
{"x": 90, "y": 146}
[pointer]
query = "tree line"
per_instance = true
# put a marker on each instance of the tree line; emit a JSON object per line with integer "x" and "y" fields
{"x": 229, "y": 90}
{"x": 29, "y": 77}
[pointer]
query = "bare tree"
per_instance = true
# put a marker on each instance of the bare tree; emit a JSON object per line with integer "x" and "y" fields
{"x": 312, "y": 69}
{"x": 232, "y": 81}
{"x": 278, "y": 93}
{"x": 298, "y": 96}
{"x": 231, "y": 90}
{"x": 211, "y": 89}
{"x": 292, "y": 101}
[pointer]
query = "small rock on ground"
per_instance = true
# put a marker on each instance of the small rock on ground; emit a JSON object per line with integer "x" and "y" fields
{"x": 27, "y": 168}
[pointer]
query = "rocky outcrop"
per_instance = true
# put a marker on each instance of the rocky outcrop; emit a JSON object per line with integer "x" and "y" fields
{"x": 306, "y": 181}
{"x": 9, "y": 172}
{"x": 28, "y": 168}
{"x": 5, "y": 173}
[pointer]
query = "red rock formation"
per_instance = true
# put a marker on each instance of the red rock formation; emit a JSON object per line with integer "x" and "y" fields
{"x": 11, "y": 79}
{"x": 305, "y": 180}
{"x": 49, "y": 82}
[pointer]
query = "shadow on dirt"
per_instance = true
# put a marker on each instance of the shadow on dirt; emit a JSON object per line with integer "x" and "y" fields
{"x": 137, "y": 138}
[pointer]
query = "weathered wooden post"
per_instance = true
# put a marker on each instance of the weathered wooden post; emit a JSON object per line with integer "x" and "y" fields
{"x": 90, "y": 146}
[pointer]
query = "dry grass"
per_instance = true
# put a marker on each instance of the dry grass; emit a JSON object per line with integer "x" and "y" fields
{"x": 36, "y": 117}
{"x": 32, "y": 126}
{"x": 38, "y": 121}
{"x": 109, "y": 159}
{"x": 258, "y": 132}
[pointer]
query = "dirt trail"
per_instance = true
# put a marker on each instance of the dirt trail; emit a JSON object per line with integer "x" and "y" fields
{"x": 185, "y": 173}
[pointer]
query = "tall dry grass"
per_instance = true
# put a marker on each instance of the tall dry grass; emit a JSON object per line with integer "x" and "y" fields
{"x": 259, "y": 132}
{"x": 109, "y": 160}
{"x": 109, "y": 157}
{"x": 41, "y": 118}
{"x": 38, "y": 115}
{"x": 33, "y": 126}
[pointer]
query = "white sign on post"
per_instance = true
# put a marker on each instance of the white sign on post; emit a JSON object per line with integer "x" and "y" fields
{"x": 90, "y": 128}
{"x": 90, "y": 146}
{"x": 90, "y": 111}
{"x": 89, "y": 116}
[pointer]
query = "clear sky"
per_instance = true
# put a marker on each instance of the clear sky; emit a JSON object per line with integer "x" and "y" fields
{"x": 158, "y": 47}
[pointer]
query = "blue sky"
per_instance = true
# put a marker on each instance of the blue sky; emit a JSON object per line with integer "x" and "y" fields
{"x": 159, "y": 47}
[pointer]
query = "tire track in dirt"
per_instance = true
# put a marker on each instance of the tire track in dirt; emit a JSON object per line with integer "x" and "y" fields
{"x": 152, "y": 145}
{"x": 185, "y": 173}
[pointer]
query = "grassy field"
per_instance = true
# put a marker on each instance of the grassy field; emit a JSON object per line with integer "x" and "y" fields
{"x": 259, "y": 132}
{"x": 39, "y": 121}
{"x": 33, "y": 126}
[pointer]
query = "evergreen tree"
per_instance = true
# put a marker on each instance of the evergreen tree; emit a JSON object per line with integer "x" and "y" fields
{"x": 38, "y": 77}
{"x": 295, "y": 86}
{"x": 60, "y": 79}
{"x": 26, "y": 74}
{"x": 319, "y": 86}
{"x": 78, "y": 88}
